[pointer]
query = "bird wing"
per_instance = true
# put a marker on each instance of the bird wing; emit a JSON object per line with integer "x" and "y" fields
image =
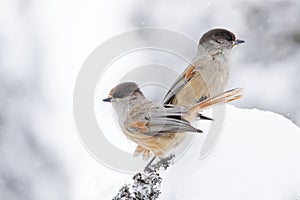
{"x": 183, "y": 86}
{"x": 163, "y": 120}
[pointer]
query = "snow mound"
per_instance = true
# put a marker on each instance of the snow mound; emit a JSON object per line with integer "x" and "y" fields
{"x": 257, "y": 157}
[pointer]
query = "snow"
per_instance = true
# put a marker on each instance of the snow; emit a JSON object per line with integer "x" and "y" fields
{"x": 257, "y": 157}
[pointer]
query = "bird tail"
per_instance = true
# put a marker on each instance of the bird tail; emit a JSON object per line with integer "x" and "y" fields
{"x": 225, "y": 97}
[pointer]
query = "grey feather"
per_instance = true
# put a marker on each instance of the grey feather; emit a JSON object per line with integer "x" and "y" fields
{"x": 164, "y": 125}
{"x": 176, "y": 87}
{"x": 161, "y": 120}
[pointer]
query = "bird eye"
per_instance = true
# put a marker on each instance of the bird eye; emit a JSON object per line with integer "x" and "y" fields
{"x": 229, "y": 38}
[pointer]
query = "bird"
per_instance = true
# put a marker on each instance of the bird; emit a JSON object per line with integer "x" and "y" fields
{"x": 157, "y": 128}
{"x": 209, "y": 71}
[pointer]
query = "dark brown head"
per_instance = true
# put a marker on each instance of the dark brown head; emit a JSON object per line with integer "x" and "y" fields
{"x": 220, "y": 37}
{"x": 123, "y": 90}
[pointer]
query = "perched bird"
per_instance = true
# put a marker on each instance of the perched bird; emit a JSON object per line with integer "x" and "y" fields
{"x": 209, "y": 72}
{"x": 157, "y": 128}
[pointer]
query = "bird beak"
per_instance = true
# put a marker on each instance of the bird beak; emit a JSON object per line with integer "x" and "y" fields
{"x": 107, "y": 99}
{"x": 236, "y": 42}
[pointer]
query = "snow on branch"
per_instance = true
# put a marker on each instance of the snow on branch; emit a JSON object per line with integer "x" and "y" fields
{"x": 146, "y": 184}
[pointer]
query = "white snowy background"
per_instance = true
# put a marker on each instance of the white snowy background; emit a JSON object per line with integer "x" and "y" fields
{"x": 42, "y": 47}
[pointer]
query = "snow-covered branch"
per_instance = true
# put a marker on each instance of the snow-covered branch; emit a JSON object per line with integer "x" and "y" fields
{"x": 146, "y": 184}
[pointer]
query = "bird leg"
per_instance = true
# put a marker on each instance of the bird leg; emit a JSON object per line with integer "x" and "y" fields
{"x": 148, "y": 168}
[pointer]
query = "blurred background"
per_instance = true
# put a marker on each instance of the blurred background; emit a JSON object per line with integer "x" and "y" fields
{"x": 44, "y": 43}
